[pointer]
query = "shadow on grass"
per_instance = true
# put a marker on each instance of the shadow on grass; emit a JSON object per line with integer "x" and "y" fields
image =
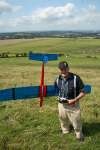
{"x": 90, "y": 129}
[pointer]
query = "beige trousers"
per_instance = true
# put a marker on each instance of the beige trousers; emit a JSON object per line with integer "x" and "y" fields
{"x": 70, "y": 115}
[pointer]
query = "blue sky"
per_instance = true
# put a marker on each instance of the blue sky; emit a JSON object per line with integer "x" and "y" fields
{"x": 33, "y": 15}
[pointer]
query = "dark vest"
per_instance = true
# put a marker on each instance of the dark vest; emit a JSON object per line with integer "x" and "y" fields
{"x": 67, "y": 87}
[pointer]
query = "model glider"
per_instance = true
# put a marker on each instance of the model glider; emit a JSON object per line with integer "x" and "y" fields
{"x": 35, "y": 91}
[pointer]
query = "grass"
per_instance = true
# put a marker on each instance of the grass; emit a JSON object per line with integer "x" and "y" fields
{"x": 23, "y": 125}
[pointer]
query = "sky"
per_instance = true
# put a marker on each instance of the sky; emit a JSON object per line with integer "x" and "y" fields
{"x": 41, "y": 15}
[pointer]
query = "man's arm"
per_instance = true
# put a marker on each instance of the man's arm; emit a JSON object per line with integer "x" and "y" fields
{"x": 80, "y": 87}
{"x": 80, "y": 96}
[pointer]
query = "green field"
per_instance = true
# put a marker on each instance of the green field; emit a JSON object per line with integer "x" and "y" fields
{"x": 23, "y": 125}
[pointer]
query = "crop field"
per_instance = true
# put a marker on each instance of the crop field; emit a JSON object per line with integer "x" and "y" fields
{"x": 26, "y": 126}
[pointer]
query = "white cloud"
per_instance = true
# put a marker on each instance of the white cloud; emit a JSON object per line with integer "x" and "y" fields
{"x": 49, "y": 15}
{"x": 54, "y": 12}
{"x": 65, "y": 17}
{"x": 91, "y": 15}
{"x": 7, "y": 24}
{"x": 87, "y": 18}
{"x": 6, "y": 7}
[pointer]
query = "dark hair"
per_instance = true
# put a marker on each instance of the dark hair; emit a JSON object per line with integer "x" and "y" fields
{"x": 63, "y": 65}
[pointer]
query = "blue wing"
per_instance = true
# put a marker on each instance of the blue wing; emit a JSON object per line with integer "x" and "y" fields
{"x": 19, "y": 93}
{"x": 25, "y": 92}
{"x": 87, "y": 89}
{"x": 31, "y": 92}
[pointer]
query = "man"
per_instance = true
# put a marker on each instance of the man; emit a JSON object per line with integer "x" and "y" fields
{"x": 71, "y": 90}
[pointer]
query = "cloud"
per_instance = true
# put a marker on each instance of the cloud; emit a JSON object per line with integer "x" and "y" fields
{"x": 91, "y": 15}
{"x": 8, "y": 23}
{"x": 6, "y": 7}
{"x": 87, "y": 18}
{"x": 52, "y": 13}
{"x": 49, "y": 15}
{"x": 65, "y": 17}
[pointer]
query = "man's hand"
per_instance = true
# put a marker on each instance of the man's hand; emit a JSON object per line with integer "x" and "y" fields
{"x": 71, "y": 101}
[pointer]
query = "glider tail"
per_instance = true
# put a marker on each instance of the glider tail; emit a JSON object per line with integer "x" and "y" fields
{"x": 42, "y": 87}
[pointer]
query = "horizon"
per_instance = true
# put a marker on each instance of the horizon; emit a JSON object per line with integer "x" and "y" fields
{"x": 90, "y": 31}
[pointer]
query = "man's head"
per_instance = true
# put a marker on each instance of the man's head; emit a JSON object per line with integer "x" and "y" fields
{"x": 64, "y": 68}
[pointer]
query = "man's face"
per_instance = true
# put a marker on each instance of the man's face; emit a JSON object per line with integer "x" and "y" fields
{"x": 64, "y": 72}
